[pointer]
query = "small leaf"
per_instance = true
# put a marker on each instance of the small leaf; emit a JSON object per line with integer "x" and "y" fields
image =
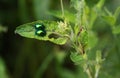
{"x": 28, "y": 30}
{"x": 76, "y": 58}
{"x": 100, "y": 4}
{"x": 110, "y": 20}
{"x": 83, "y": 37}
{"x": 117, "y": 12}
{"x": 108, "y": 12}
{"x": 76, "y": 29}
{"x": 93, "y": 16}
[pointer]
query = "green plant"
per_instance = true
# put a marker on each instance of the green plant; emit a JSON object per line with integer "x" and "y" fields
{"x": 76, "y": 28}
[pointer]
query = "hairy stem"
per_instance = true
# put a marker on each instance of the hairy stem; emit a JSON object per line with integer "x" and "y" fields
{"x": 62, "y": 8}
{"x": 97, "y": 72}
{"x": 89, "y": 73}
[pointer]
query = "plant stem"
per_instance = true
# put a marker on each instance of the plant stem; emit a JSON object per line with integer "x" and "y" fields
{"x": 86, "y": 67}
{"x": 61, "y": 2}
{"x": 97, "y": 72}
{"x": 89, "y": 72}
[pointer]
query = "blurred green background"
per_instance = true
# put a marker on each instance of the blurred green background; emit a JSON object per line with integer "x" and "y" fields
{"x": 22, "y": 57}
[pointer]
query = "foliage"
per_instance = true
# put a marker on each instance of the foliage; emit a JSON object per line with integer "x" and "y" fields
{"x": 70, "y": 39}
{"x": 76, "y": 28}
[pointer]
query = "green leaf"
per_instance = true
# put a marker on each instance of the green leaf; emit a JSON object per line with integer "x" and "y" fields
{"x": 110, "y": 20}
{"x": 93, "y": 16}
{"x": 108, "y": 12}
{"x": 77, "y": 29}
{"x": 116, "y": 30}
{"x": 100, "y": 4}
{"x": 84, "y": 37}
{"x": 53, "y": 30}
{"x": 117, "y": 12}
{"x": 76, "y": 58}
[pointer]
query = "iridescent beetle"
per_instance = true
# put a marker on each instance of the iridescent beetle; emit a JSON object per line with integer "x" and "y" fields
{"x": 40, "y": 30}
